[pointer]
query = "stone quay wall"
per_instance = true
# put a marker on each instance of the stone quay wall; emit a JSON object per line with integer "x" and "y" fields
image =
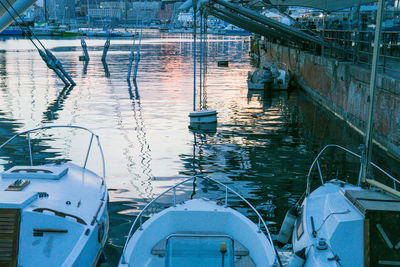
{"x": 342, "y": 88}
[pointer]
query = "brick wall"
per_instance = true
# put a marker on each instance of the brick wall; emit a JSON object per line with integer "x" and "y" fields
{"x": 345, "y": 91}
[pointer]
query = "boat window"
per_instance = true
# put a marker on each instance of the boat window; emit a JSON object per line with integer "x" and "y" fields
{"x": 199, "y": 251}
{"x": 299, "y": 224}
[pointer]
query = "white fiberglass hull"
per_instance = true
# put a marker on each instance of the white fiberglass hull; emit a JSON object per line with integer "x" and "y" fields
{"x": 345, "y": 225}
{"x": 335, "y": 220}
{"x": 63, "y": 219}
{"x": 196, "y": 221}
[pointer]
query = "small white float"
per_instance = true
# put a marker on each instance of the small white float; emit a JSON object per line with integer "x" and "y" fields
{"x": 199, "y": 232}
{"x": 202, "y": 117}
{"x": 52, "y": 214}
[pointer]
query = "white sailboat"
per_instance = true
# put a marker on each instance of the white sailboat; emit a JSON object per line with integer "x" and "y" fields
{"x": 52, "y": 214}
{"x": 199, "y": 232}
{"x": 340, "y": 224}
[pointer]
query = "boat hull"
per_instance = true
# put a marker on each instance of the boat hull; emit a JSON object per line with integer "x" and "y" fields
{"x": 68, "y": 217}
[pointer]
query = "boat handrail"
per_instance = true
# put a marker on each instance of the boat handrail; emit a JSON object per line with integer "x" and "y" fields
{"x": 28, "y": 132}
{"x": 261, "y": 221}
{"x": 316, "y": 162}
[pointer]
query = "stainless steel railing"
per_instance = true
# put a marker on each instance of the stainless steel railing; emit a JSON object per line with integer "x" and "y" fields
{"x": 316, "y": 163}
{"x": 28, "y": 133}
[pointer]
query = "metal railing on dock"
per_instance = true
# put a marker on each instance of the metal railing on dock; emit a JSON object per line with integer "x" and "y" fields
{"x": 357, "y": 46}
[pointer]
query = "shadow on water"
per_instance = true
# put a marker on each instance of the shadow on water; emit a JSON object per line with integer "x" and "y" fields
{"x": 51, "y": 114}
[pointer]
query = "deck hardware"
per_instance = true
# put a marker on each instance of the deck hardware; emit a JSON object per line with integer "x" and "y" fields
{"x": 43, "y": 195}
{"x": 334, "y": 258}
{"x": 18, "y": 185}
{"x": 40, "y": 232}
{"x": 322, "y": 245}
{"x": 314, "y": 232}
{"x": 68, "y": 202}
{"x": 97, "y": 213}
{"x": 61, "y": 214}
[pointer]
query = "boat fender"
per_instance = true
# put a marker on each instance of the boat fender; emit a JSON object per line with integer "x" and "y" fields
{"x": 298, "y": 258}
{"x": 287, "y": 226}
{"x": 100, "y": 234}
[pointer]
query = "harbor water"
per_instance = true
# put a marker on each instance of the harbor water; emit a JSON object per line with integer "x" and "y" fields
{"x": 262, "y": 146}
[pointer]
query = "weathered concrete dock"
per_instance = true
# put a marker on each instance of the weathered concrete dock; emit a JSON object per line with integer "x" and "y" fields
{"x": 342, "y": 87}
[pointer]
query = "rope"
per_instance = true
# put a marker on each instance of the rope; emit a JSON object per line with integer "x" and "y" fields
{"x": 19, "y": 25}
{"x": 30, "y": 31}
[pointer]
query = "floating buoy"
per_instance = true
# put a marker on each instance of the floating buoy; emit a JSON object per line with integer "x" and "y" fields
{"x": 203, "y": 116}
{"x": 298, "y": 259}
{"x": 287, "y": 226}
{"x": 223, "y": 63}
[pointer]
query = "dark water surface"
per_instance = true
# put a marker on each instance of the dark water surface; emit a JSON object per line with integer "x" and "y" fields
{"x": 262, "y": 147}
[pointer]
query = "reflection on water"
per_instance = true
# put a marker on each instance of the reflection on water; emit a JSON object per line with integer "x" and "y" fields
{"x": 262, "y": 146}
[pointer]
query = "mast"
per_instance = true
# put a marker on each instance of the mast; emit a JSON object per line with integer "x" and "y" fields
{"x": 194, "y": 2}
{"x": 46, "y": 15}
{"x": 368, "y": 135}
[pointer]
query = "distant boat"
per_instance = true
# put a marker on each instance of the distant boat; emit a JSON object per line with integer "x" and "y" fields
{"x": 199, "y": 232}
{"x": 51, "y": 214}
{"x": 12, "y": 31}
{"x": 279, "y": 75}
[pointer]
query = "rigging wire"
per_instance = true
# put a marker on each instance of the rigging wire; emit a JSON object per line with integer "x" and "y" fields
{"x": 51, "y": 61}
